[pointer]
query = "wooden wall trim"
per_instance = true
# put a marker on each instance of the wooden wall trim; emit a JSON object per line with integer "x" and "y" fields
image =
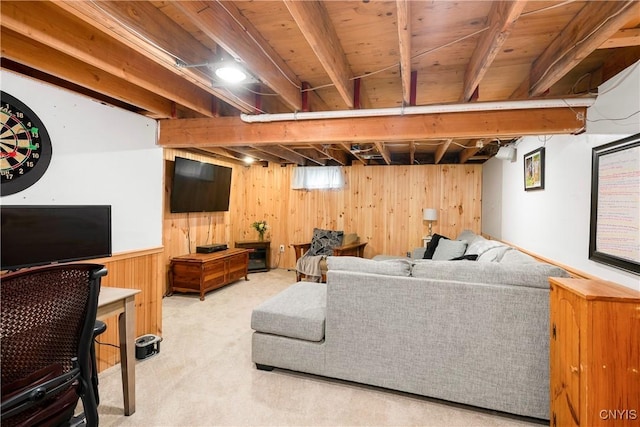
{"x": 129, "y": 254}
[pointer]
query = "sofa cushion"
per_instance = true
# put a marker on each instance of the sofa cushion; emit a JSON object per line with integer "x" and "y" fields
{"x": 323, "y": 241}
{"x": 418, "y": 253}
{"x": 468, "y": 236}
{"x": 514, "y": 256}
{"x": 432, "y": 245}
{"x": 529, "y": 275}
{"x": 391, "y": 267}
{"x": 449, "y": 249}
{"x": 493, "y": 254}
{"x": 296, "y": 312}
{"x": 481, "y": 245}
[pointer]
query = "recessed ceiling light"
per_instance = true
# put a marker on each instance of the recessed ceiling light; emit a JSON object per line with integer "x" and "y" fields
{"x": 231, "y": 74}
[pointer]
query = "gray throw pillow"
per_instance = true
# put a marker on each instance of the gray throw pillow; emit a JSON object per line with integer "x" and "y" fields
{"x": 324, "y": 241}
{"x": 432, "y": 245}
{"x": 481, "y": 245}
{"x": 449, "y": 249}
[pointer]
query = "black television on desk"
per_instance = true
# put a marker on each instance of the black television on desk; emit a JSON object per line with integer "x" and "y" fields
{"x": 39, "y": 235}
{"x": 199, "y": 187}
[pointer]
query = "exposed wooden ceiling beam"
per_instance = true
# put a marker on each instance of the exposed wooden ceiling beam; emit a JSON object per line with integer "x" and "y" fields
{"x": 442, "y": 148}
{"x": 263, "y": 155}
{"x": 219, "y": 153}
{"x": 258, "y": 154}
{"x": 156, "y": 37}
{"x": 223, "y": 23}
{"x": 316, "y": 26}
{"x": 49, "y": 25}
{"x": 310, "y": 153}
{"x": 403, "y": 8}
{"x": 618, "y": 60}
{"x": 623, "y": 38}
{"x": 38, "y": 56}
{"x": 337, "y": 156}
{"x": 494, "y": 124}
{"x": 412, "y": 152}
{"x": 301, "y": 152}
{"x": 384, "y": 151}
{"x": 471, "y": 150}
{"x": 596, "y": 22}
{"x": 281, "y": 152}
{"x": 502, "y": 18}
{"x": 347, "y": 147}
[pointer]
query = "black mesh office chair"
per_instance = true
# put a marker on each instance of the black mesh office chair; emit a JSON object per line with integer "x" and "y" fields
{"x": 47, "y": 327}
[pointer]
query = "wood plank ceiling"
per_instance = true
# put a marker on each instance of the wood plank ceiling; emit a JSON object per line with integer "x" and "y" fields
{"x": 157, "y": 58}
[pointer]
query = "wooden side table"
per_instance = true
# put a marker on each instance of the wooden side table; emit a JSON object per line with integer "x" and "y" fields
{"x": 259, "y": 254}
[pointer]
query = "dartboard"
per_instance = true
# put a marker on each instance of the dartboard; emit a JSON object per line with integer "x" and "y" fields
{"x": 25, "y": 146}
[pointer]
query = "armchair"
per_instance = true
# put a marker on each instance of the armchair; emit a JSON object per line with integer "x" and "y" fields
{"x": 351, "y": 246}
{"x": 48, "y": 325}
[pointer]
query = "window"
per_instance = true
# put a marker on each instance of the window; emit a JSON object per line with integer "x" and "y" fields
{"x": 317, "y": 178}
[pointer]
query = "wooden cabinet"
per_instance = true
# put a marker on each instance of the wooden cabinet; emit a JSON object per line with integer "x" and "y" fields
{"x": 594, "y": 354}
{"x": 202, "y": 273}
{"x": 259, "y": 254}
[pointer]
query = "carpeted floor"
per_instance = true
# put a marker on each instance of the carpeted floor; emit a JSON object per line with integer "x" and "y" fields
{"x": 203, "y": 376}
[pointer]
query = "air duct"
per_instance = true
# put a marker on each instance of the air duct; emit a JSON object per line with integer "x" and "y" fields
{"x": 422, "y": 109}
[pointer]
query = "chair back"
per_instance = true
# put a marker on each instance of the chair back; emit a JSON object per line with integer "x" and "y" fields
{"x": 46, "y": 332}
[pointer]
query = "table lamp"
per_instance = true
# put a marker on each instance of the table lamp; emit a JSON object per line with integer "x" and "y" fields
{"x": 430, "y": 215}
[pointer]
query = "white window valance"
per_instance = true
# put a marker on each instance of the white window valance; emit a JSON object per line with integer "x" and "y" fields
{"x": 317, "y": 178}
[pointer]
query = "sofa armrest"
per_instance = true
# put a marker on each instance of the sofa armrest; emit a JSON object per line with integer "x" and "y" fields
{"x": 354, "y": 249}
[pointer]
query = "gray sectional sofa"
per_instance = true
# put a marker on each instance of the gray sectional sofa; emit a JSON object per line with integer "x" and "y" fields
{"x": 471, "y": 332}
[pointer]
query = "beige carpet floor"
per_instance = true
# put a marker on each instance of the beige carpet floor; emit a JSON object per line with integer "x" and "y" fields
{"x": 203, "y": 376}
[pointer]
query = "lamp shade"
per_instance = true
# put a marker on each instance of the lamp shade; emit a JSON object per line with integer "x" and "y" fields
{"x": 429, "y": 214}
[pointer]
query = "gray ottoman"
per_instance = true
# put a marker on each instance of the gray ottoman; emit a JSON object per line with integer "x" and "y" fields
{"x": 298, "y": 313}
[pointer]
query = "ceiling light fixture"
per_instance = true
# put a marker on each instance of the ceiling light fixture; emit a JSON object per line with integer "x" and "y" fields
{"x": 227, "y": 71}
{"x": 230, "y": 74}
{"x": 248, "y": 160}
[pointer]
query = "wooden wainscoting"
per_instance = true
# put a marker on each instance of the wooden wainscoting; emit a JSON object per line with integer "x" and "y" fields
{"x": 144, "y": 270}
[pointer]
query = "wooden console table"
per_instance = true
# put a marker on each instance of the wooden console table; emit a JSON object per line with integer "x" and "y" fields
{"x": 202, "y": 273}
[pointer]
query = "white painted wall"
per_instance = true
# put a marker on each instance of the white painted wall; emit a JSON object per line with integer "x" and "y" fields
{"x": 554, "y": 222}
{"x": 101, "y": 155}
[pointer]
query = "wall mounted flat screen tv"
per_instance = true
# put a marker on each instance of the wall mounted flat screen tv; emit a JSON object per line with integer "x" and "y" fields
{"x": 39, "y": 235}
{"x": 199, "y": 187}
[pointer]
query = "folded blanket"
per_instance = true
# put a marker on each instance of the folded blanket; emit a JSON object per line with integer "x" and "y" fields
{"x": 309, "y": 265}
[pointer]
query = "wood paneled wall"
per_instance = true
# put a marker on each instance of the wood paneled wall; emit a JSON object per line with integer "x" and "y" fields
{"x": 142, "y": 270}
{"x": 383, "y": 204}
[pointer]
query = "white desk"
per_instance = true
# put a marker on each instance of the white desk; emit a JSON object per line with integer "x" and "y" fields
{"x": 120, "y": 301}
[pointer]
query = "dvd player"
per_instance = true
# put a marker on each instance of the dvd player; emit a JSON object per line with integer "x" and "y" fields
{"x": 207, "y": 249}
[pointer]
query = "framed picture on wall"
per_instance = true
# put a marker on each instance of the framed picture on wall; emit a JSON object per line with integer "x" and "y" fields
{"x": 615, "y": 204}
{"x": 534, "y": 170}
